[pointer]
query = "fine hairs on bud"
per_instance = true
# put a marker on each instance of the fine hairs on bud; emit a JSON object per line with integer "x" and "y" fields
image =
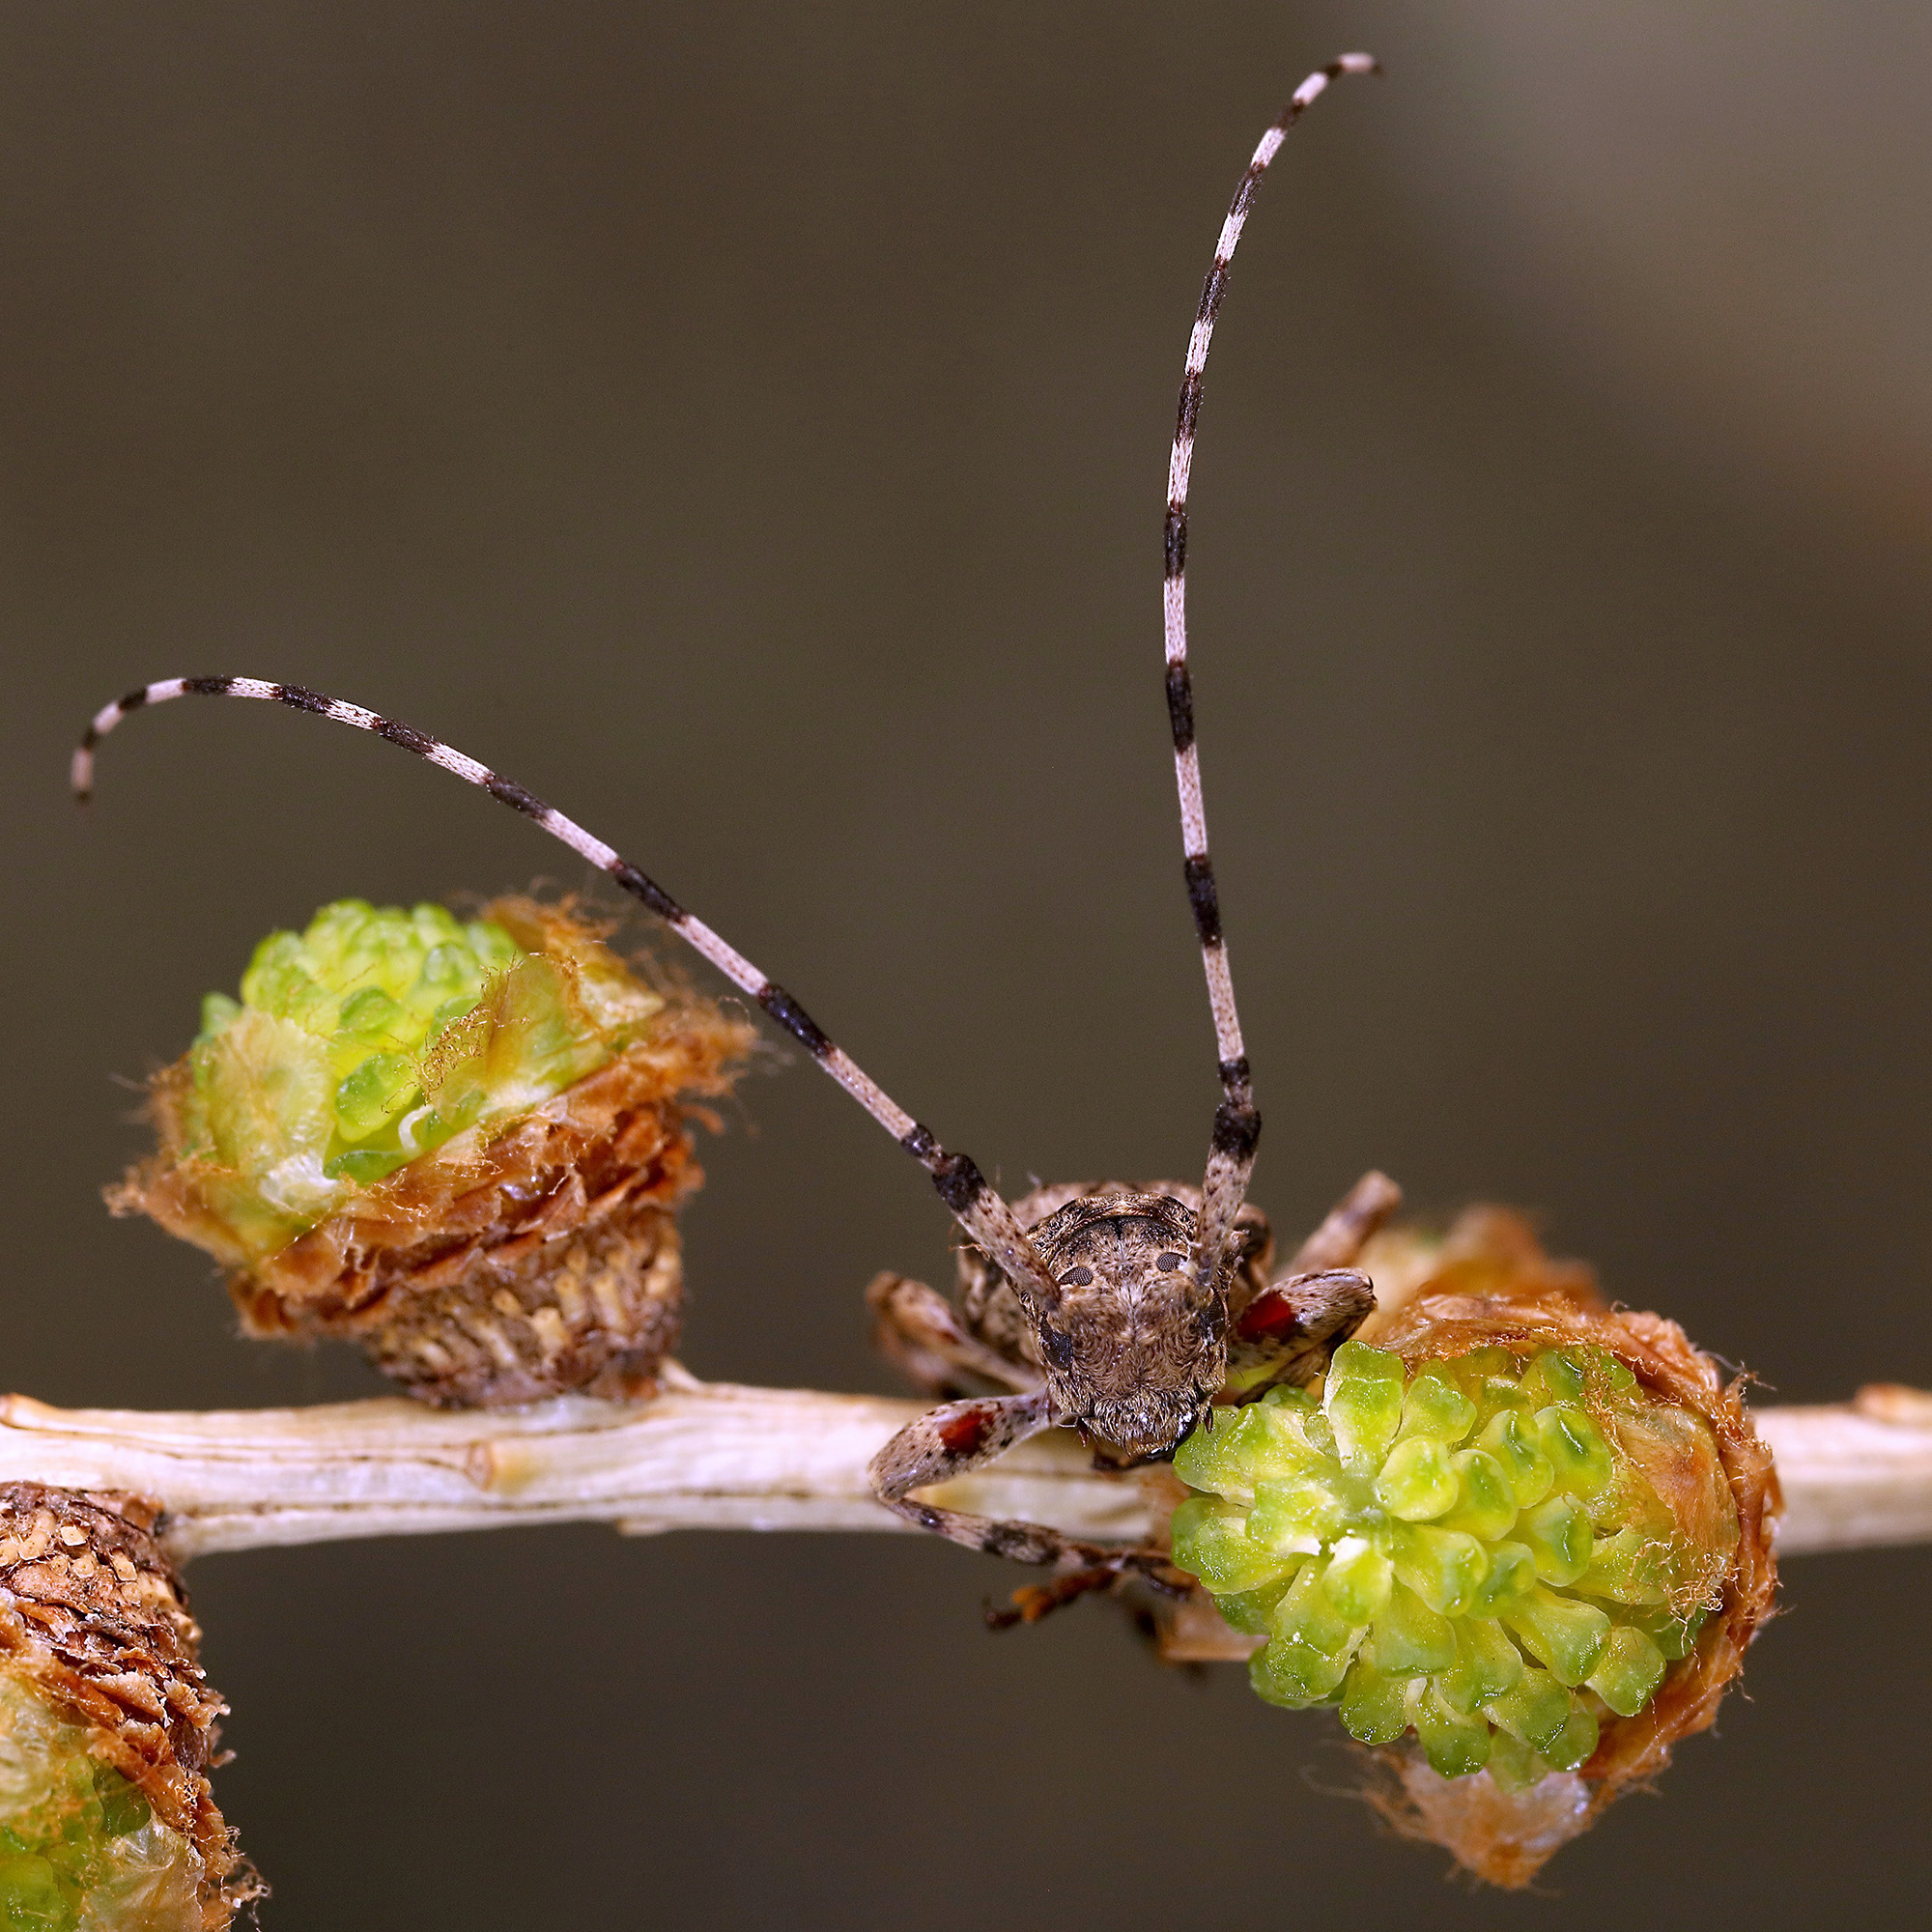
{"x": 459, "y": 1145}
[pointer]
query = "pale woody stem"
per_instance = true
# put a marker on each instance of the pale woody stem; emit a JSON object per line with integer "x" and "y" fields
{"x": 716, "y": 1456}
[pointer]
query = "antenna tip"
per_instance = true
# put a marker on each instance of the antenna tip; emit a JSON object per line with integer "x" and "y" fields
{"x": 80, "y": 776}
{"x": 1359, "y": 64}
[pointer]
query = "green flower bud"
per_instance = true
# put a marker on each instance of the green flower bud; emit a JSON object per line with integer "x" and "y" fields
{"x": 1511, "y": 1438}
{"x": 1629, "y": 1671}
{"x": 79, "y": 1846}
{"x": 1417, "y": 1482}
{"x": 1365, "y": 1411}
{"x": 1467, "y": 1551}
{"x": 1608, "y": 1475}
{"x": 1436, "y": 1406}
{"x": 459, "y": 1142}
{"x": 374, "y": 1037}
{"x": 1409, "y": 1639}
{"x": 1224, "y": 1558}
{"x": 1487, "y": 1666}
{"x": 1557, "y": 1535}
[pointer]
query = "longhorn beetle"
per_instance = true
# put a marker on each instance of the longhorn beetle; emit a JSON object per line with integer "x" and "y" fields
{"x": 1124, "y": 1312}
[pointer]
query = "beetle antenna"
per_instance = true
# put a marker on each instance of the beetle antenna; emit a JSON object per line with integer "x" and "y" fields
{"x": 1237, "y": 1125}
{"x": 978, "y": 1209}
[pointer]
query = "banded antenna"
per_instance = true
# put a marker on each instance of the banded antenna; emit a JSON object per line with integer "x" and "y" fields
{"x": 1238, "y": 1126}
{"x": 977, "y": 1206}
{"x": 978, "y": 1209}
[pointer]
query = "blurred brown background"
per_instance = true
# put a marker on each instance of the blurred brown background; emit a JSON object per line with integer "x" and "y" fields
{"x": 747, "y": 426}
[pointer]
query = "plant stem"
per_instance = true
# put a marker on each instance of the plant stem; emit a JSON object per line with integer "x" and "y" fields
{"x": 718, "y": 1456}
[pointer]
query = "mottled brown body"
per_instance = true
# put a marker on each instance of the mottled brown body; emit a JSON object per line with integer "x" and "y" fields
{"x": 992, "y": 1306}
{"x": 1133, "y": 1349}
{"x": 1137, "y": 1345}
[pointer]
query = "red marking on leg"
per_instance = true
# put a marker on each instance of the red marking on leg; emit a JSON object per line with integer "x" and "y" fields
{"x": 1267, "y": 1318}
{"x": 965, "y": 1433}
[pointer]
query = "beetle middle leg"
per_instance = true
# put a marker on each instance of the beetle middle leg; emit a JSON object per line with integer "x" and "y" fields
{"x": 920, "y": 1333}
{"x": 1349, "y": 1224}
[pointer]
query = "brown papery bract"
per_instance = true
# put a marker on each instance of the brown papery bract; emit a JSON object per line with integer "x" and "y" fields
{"x": 93, "y": 1616}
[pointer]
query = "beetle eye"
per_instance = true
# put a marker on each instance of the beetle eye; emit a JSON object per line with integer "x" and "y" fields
{"x": 1056, "y": 1345}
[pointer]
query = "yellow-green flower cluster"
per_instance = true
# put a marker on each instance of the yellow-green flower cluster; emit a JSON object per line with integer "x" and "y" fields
{"x": 376, "y": 1036}
{"x": 80, "y": 1849}
{"x": 1466, "y": 1551}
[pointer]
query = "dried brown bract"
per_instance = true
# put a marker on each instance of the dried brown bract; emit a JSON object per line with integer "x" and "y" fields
{"x": 98, "y": 1656}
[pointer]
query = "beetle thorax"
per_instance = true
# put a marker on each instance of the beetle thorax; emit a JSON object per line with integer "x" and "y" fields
{"x": 1135, "y": 1346}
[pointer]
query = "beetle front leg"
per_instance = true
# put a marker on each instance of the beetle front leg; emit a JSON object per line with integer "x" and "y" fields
{"x": 962, "y": 1437}
{"x": 1287, "y": 1333}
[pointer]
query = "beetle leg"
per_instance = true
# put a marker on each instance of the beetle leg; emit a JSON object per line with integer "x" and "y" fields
{"x": 1349, "y": 1224}
{"x": 920, "y": 1333}
{"x": 951, "y": 1441}
{"x": 1287, "y": 1334}
{"x": 1034, "y": 1601}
